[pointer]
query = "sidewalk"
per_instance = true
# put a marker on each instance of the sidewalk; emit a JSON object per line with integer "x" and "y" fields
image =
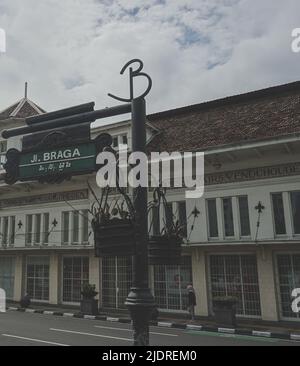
{"x": 283, "y": 330}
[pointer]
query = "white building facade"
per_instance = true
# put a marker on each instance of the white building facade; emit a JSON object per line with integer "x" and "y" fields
{"x": 46, "y": 242}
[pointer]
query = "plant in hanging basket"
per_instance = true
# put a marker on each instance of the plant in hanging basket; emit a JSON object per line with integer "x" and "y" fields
{"x": 166, "y": 248}
{"x": 114, "y": 233}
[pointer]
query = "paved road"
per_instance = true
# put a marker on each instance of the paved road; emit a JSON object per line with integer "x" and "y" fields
{"x": 26, "y": 329}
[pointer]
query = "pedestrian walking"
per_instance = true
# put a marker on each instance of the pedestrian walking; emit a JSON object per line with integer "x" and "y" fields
{"x": 25, "y": 301}
{"x": 191, "y": 301}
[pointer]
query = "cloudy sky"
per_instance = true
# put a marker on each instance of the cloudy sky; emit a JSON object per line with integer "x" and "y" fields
{"x": 71, "y": 51}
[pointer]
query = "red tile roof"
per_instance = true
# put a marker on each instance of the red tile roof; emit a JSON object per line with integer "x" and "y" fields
{"x": 252, "y": 116}
{"x": 21, "y": 109}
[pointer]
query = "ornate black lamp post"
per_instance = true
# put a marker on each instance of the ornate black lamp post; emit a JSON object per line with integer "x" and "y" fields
{"x": 60, "y": 129}
{"x": 140, "y": 301}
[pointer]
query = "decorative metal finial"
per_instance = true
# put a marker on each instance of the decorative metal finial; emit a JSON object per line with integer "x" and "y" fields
{"x": 26, "y": 87}
{"x": 195, "y": 212}
{"x": 132, "y": 74}
{"x": 259, "y": 207}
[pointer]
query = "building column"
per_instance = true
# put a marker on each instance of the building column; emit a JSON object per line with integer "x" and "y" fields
{"x": 18, "y": 280}
{"x": 53, "y": 279}
{"x": 94, "y": 273}
{"x": 267, "y": 287}
{"x": 200, "y": 281}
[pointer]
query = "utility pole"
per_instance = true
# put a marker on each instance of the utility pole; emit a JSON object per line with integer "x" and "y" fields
{"x": 140, "y": 301}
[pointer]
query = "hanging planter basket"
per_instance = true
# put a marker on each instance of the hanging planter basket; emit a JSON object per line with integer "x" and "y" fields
{"x": 114, "y": 237}
{"x": 164, "y": 250}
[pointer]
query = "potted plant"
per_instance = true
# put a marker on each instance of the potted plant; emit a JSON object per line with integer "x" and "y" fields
{"x": 88, "y": 304}
{"x": 114, "y": 232}
{"x": 224, "y": 308}
{"x": 166, "y": 248}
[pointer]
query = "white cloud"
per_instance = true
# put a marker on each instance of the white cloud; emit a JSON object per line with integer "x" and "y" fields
{"x": 71, "y": 51}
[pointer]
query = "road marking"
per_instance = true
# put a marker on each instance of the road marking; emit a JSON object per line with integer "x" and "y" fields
{"x": 130, "y": 330}
{"x": 34, "y": 340}
{"x": 164, "y": 324}
{"x": 233, "y": 336}
{"x": 226, "y": 330}
{"x": 193, "y": 327}
{"x": 90, "y": 334}
{"x": 258, "y": 333}
{"x": 295, "y": 337}
{"x": 111, "y": 319}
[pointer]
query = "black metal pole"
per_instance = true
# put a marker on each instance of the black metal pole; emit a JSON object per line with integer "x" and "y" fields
{"x": 140, "y": 301}
{"x": 68, "y": 121}
{"x": 66, "y": 112}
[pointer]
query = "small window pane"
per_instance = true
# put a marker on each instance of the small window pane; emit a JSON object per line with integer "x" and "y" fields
{"x": 12, "y": 230}
{"x": 295, "y": 200}
{"x": 169, "y": 216}
{"x": 244, "y": 216}
{"x": 65, "y": 222}
{"x": 124, "y": 139}
{"x": 3, "y": 146}
{"x": 38, "y": 228}
{"x": 182, "y": 217}
{"x": 75, "y": 226}
{"x": 28, "y": 229}
{"x": 5, "y": 230}
{"x": 212, "y": 218}
{"x": 85, "y": 231}
{"x": 115, "y": 141}
{"x": 155, "y": 220}
{"x": 278, "y": 212}
{"x": 46, "y": 228}
{"x": 228, "y": 217}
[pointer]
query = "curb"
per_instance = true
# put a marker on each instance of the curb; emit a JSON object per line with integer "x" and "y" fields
{"x": 164, "y": 324}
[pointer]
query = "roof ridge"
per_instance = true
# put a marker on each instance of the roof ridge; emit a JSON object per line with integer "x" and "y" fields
{"x": 10, "y": 106}
{"x": 13, "y": 110}
{"x": 18, "y": 107}
{"x": 236, "y": 98}
{"x": 35, "y": 106}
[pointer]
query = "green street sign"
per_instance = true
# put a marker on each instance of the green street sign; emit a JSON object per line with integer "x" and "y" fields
{"x": 75, "y": 159}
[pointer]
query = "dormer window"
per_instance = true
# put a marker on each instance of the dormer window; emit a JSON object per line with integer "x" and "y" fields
{"x": 115, "y": 141}
{"x": 119, "y": 139}
{"x": 124, "y": 139}
{"x": 3, "y": 147}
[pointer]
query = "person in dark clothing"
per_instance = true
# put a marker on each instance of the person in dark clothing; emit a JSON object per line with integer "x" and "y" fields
{"x": 191, "y": 301}
{"x": 25, "y": 301}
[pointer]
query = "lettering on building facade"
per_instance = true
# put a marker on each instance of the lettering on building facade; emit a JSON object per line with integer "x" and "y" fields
{"x": 243, "y": 175}
{"x": 45, "y": 198}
